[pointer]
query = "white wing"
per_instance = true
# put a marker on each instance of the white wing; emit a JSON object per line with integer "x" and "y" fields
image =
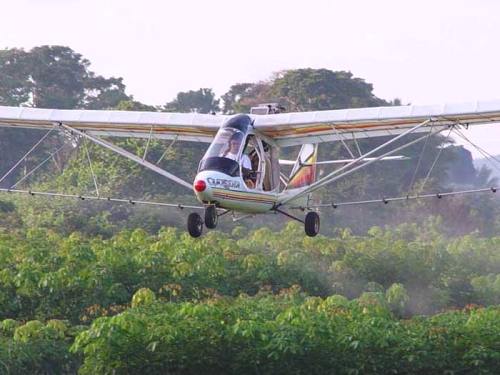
{"x": 285, "y": 129}
{"x": 297, "y": 128}
{"x": 164, "y": 125}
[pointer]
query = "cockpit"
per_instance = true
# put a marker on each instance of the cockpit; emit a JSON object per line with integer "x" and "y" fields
{"x": 224, "y": 153}
{"x": 237, "y": 152}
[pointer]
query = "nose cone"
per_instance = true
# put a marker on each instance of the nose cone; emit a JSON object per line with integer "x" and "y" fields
{"x": 201, "y": 188}
{"x": 199, "y": 185}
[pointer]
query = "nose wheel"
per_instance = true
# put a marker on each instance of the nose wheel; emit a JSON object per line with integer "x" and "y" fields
{"x": 211, "y": 217}
{"x": 311, "y": 224}
{"x": 194, "y": 224}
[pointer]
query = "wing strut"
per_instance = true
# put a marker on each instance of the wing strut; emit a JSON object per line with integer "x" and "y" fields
{"x": 27, "y": 154}
{"x": 344, "y": 171}
{"x": 128, "y": 155}
{"x": 434, "y": 162}
{"x": 91, "y": 168}
{"x": 40, "y": 165}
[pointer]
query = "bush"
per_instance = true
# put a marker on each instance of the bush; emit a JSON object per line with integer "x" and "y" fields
{"x": 282, "y": 335}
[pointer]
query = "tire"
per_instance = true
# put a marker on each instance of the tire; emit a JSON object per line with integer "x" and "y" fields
{"x": 195, "y": 225}
{"x": 311, "y": 224}
{"x": 211, "y": 217}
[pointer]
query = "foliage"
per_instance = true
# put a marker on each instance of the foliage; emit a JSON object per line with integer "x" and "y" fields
{"x": 488, "y": 288}
{"x": 288, "y": 334}
{"x": 13, "y": 71}
{"x": 37, "y": 348}
{"x": 397, "y": 297}
{"x": 242, "y": 96}
{"x": 55, "y": 77}
{"x": 413, "y": 270}
{"x": 322, "y": 89}
{"x": 200, "y": 101}
{"x": 304, "y": 90}
{"x": 143, "y": 296}
{"x": 133, "y": 105}
{"x": 48, "y": 77}
{"x": 272, "y": 301}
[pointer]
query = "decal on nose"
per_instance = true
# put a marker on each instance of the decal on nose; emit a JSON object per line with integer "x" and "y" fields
{"x": 223, "y": 183}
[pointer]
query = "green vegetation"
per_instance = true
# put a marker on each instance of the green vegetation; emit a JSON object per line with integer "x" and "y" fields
{"x": 46, "y": 275}
{"x": 289, "y": 334}
{"x": 261, "y": 300}
{"x": 55, "y": 77}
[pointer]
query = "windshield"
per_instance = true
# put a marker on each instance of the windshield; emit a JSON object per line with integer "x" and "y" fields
{"x": 226, "y": 144}
{"x": 223, "y": 153}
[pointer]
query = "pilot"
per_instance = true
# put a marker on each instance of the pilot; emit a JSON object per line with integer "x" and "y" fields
{"x": 246, "y": 164}
{"x": 234, "y": 147}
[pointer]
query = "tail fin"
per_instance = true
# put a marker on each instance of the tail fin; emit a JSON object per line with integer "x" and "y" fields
{"x": 304, "y": 170}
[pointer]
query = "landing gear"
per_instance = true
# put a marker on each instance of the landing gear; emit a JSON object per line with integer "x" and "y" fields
{"x": 194, "y": 224}
{"x": 311, "y": 224}
{"x": 211, "y": 217}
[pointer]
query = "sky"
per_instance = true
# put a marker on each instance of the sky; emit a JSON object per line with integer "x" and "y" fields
{"x": 424, "y": 52}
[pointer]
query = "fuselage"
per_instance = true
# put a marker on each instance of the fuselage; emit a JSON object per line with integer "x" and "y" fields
{"x": 240, "y": 171}
{"x": 232, "y": 193}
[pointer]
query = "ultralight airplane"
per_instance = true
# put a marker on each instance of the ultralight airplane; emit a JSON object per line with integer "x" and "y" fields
{"x": 240, "y": 171}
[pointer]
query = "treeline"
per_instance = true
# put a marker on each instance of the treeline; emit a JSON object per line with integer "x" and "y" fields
{"x": 58, "y": 77}
{"x": 251, "y": 301}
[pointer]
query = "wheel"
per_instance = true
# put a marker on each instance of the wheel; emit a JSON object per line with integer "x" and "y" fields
{"x": 211, "y": 217}
{"x": 311, "y": 224}
{"x": 195, "y": 225}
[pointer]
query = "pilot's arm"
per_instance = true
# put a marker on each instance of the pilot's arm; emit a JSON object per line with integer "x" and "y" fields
{"x": 248, "y": 173}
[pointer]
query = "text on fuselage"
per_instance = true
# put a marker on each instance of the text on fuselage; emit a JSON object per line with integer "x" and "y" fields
{"x": 226, "y": 184}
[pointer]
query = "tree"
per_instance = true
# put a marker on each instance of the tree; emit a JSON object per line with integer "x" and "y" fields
{"x": 235, "y": 95}
{"x": 200, "y": 101}
{"x": 322, "y": 89}
{"x": 397, "y": 298}
{"x": 58, "y": 76}
{"x": 242, "y": 96}
{"x": 48, "y": 77}
{"x": 55, "y": 77}
{"x": 104, "y": 93}
{"x": 133, "y": 105}
{"x": 305, "y": 90}
{"x": 14, "y": 86}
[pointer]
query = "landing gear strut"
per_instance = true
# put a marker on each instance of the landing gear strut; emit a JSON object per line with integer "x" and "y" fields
{"x": 194, "y": 224}
{"x": 211, "y": 217}
{"x": 311, "y": 224}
